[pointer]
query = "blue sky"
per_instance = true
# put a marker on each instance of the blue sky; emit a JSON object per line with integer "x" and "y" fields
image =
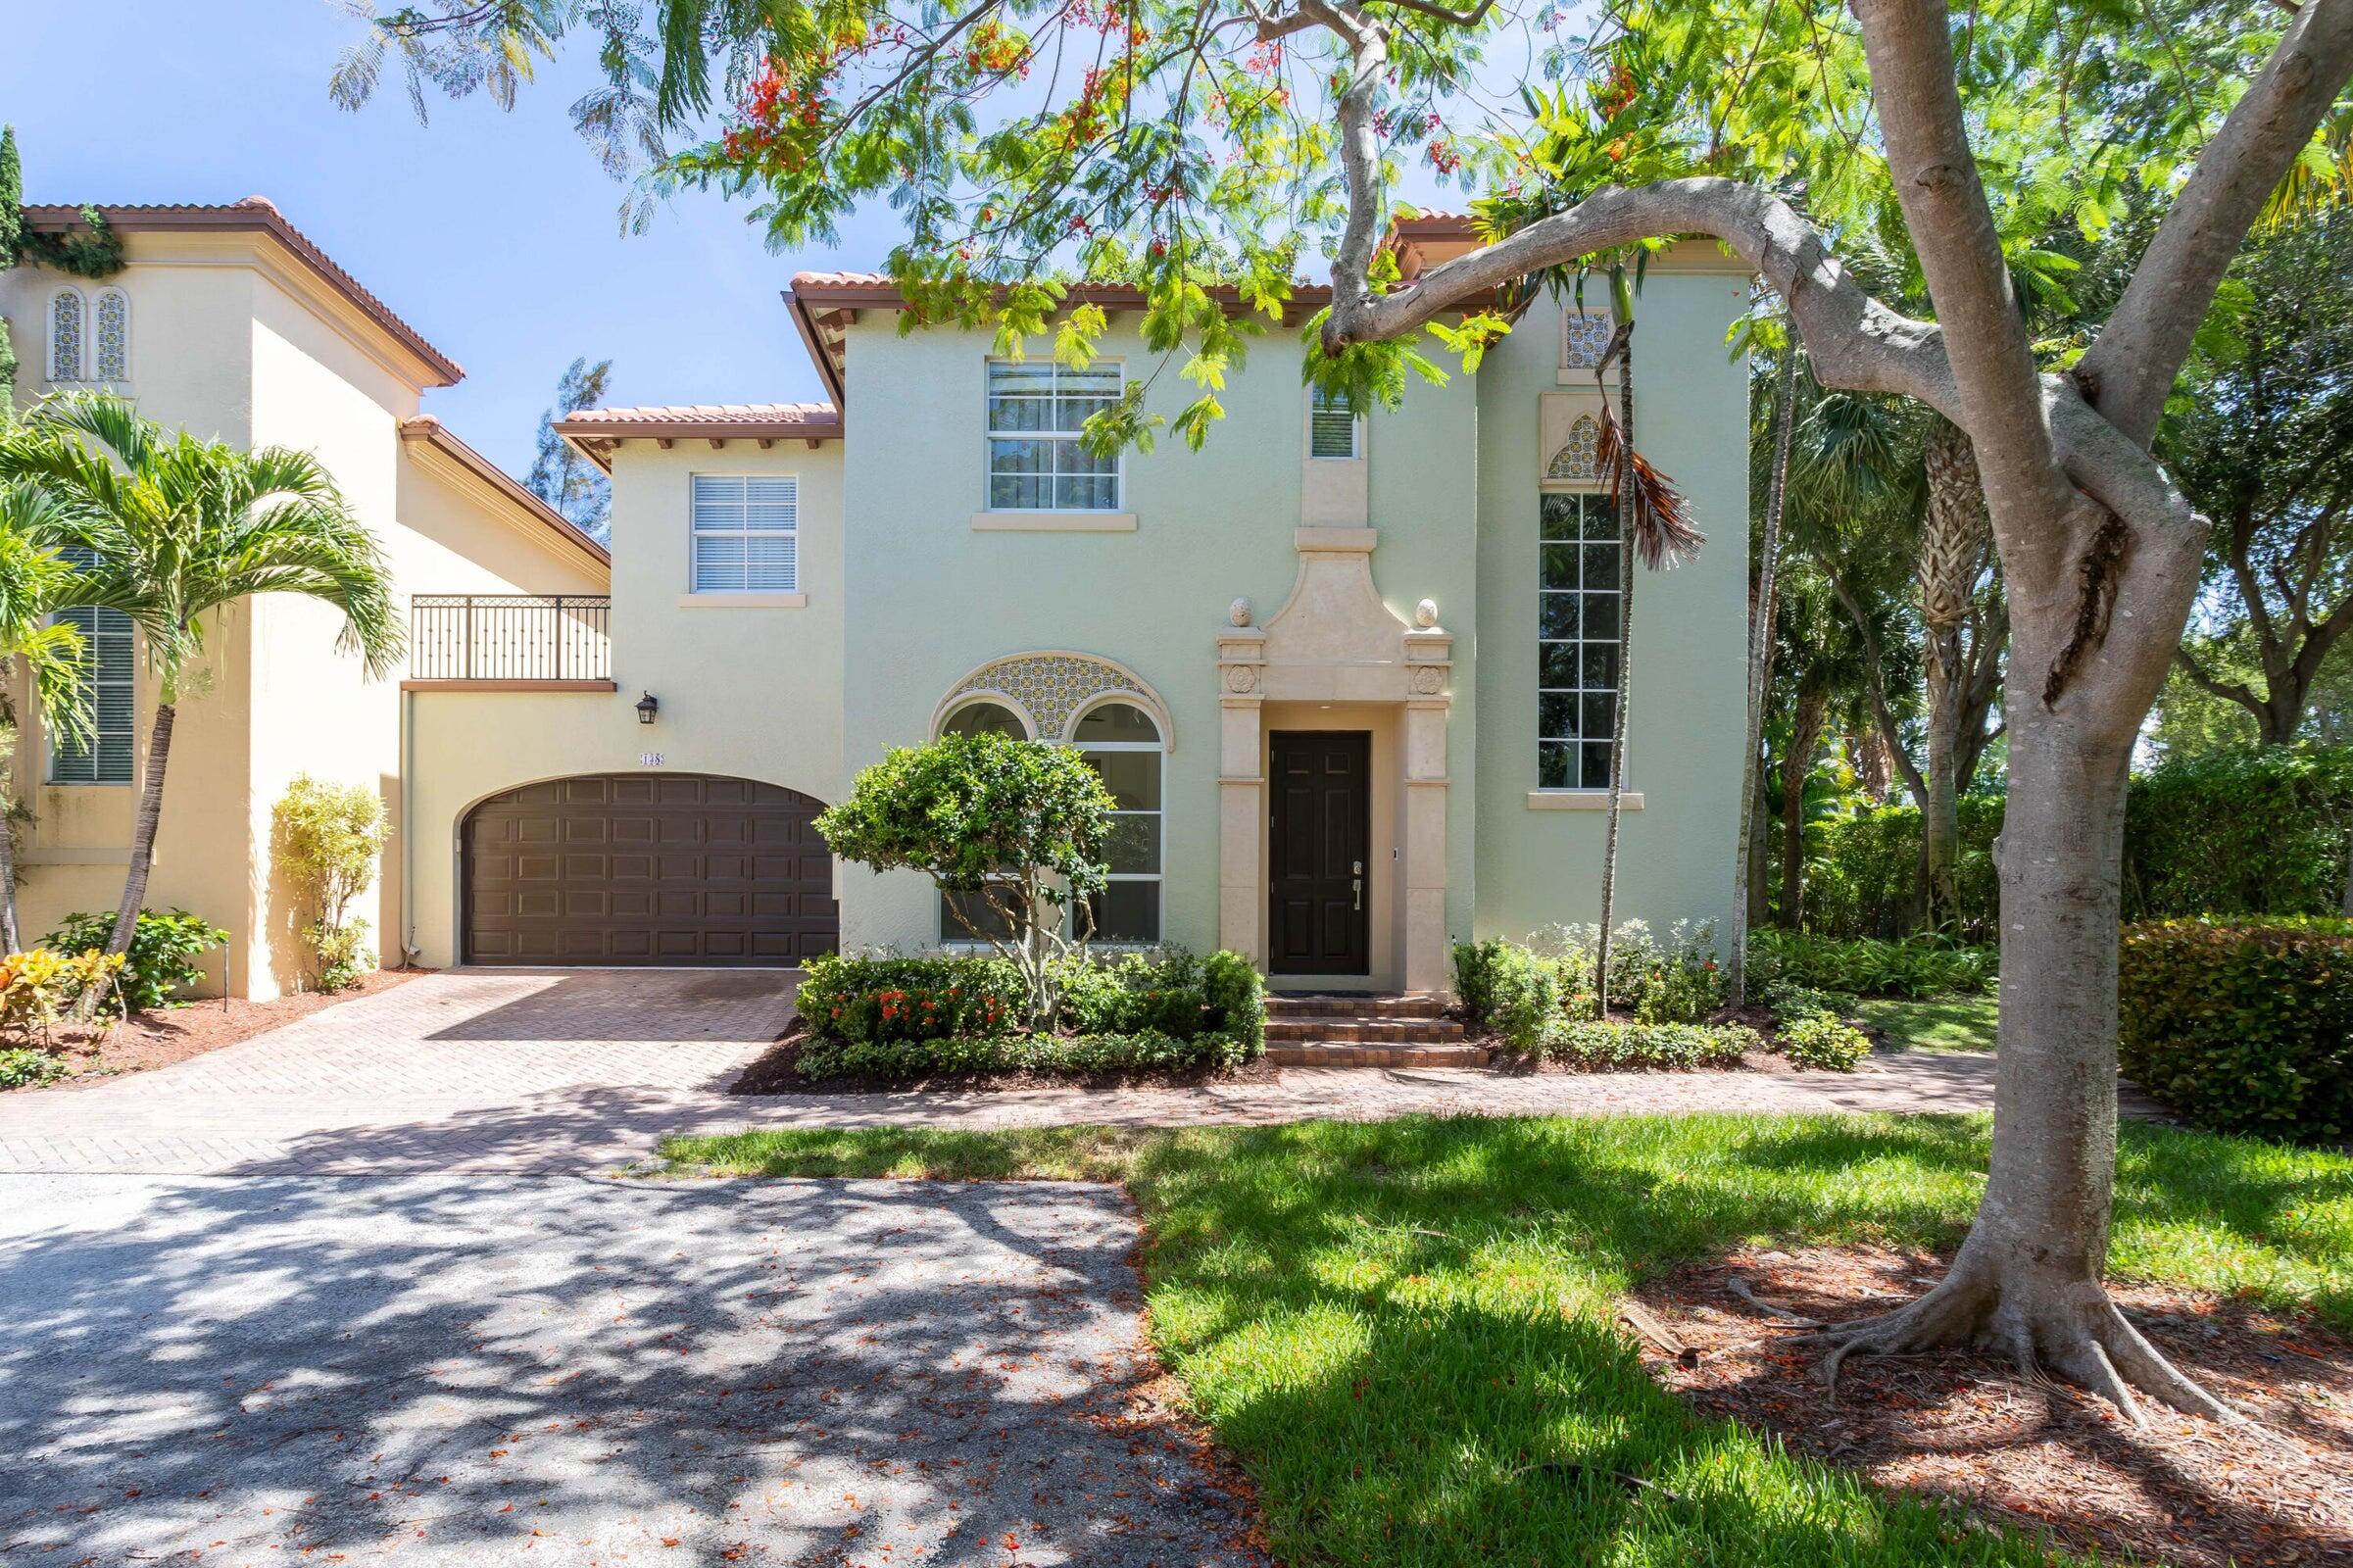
{"x": 493, "y": 234}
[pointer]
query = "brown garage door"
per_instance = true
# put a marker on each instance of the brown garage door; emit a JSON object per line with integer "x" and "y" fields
{"x": 651, "y": 868}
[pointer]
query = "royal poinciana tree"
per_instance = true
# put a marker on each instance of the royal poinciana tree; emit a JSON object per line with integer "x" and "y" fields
{"x": 1238, "y": 142}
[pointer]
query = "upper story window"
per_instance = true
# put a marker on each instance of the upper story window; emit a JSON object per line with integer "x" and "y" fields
{"x": 745, "y": 533}
{"x": 1036, "y": 460}
{"x": 110, "y": 338}
{"x": 1578, "y": 604}
{"x": 1335, "y": 429}
{"x": 67, "y": 335}
{"x": 1585, "y": 337}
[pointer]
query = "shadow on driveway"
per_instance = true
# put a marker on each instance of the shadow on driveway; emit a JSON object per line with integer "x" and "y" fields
{"x": 490, "y": 1370}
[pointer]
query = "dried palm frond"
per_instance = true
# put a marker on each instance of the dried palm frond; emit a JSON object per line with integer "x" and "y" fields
{"x": 1663, "y": 534}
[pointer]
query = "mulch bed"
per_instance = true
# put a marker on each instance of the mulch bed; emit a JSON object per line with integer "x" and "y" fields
{"x": 2036, "y": 1455}
{"x": 159, "y": 1039}
{"x": 773, "y": 1072}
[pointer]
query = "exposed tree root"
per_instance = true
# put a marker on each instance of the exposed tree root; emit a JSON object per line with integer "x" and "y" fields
{"x": 2075, "y": 1331}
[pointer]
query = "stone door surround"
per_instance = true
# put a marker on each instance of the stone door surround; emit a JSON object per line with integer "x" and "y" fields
{"x": 1335, "y": 641}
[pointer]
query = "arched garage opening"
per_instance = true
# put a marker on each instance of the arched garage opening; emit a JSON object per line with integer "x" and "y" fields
{"x": 686, "y": 869}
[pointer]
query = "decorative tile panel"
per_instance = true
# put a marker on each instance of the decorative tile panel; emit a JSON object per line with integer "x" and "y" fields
{"x": 1054, "y": 687}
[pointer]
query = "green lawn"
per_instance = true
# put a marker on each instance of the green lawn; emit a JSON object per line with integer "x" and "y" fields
{"x": 1938, "y": 1023}
{"x": 1391, "y": 1324}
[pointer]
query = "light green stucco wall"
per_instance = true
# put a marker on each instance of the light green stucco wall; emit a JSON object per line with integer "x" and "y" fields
{"x": 934, "y": 598}
{"x": 1675, "y": 857}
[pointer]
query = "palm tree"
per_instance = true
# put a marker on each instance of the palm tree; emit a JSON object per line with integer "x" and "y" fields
{"x": 34, "y": 583}
{"x": 175, "y": 528}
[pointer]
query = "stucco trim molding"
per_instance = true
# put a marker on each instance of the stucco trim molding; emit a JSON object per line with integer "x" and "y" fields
{"x": 1581, "y": 800}
{"x": 751, "y": 601}
{"x": 1051, "y": 689}
{"x": 1054, "y": 523}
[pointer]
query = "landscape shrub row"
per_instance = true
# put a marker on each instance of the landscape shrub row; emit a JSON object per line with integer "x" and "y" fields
{"x": 1518, "y": 989}
{"x": 2245, "y": 1026}
{"x": 905, "y": 1017}
{"x": 1591, "y": 1043}
{"x": 1924, "y": 965}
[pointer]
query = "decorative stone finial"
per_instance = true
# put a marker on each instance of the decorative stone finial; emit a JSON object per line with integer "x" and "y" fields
{"x": 1425, "y": 614}
{"x": 1238, "y": 612}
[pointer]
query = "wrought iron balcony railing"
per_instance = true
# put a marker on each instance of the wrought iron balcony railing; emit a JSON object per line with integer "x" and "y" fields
{"x": 511, "y": 637}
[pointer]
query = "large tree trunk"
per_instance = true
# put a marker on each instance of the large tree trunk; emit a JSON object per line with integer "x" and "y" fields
{"x": 1624, "y": 703}
{"x": 142, "y": 830}
{"x": 1796, "y": 765}
{"x": 1760, "y": 664}
{"x": 1953, "y": 537}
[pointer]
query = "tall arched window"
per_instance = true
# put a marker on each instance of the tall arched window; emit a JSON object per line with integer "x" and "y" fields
{"x": 66, "y": 335}
{"x": 1124, "y": 745}
{"x": 110, "y": 336}
{"x": 979, "y": 717}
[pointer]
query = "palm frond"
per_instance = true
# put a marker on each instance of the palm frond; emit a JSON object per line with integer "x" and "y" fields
{"x": 1663, "y": 534}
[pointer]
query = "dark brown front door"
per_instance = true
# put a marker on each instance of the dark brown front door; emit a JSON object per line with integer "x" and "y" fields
{"x": 648, "y": 868}
{"x": 1316, "y": 923}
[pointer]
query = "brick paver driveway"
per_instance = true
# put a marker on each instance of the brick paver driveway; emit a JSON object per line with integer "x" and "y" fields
{"x": 550, "y": 1070}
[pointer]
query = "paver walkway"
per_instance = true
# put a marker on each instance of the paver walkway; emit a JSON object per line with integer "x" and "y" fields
{"x": 458, "y": 1372}
{"x": 551, "y": 1072}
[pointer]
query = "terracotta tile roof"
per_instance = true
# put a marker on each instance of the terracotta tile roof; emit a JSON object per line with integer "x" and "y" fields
{"x": 432, "y": 432}
{"x": 258, "y": 213}
{"x": 600, "y": 421}
{"x": 596, "y": 431}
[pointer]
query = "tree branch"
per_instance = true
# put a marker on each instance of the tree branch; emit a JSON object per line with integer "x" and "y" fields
{"x": 2132, "y": 364}
{"x": 2230, "y": 691}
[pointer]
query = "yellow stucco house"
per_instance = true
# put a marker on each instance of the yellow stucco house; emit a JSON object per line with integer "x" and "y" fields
{"x": 1347, "y": 676}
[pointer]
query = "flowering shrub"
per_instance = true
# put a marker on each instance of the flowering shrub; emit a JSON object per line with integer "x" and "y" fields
{"x": 864, "y": 1000}
{"x": 39, "y": 987}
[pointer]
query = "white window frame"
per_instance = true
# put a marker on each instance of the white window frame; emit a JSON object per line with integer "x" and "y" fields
{"x": 128, "y": 685}
{"x": 82, "y": 359}
{"x": 990, "y": 434}
{"x": 695, "y": 532}
{"x": 1317, "y": 405}
{"x": 1586, "y": 497}
{"x": 1159, "y": 876}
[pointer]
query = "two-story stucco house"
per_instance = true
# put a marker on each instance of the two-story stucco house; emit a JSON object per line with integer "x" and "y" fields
{"x": 1348, "y": 676}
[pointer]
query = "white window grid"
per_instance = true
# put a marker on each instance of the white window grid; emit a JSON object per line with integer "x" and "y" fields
{"x": 1036, "y": 461}
{"x": 745, "y": 532}
{"x": 1580, "y": 573}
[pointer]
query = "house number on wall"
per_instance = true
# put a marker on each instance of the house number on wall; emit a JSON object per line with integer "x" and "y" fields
{"x": 649, "y": 759}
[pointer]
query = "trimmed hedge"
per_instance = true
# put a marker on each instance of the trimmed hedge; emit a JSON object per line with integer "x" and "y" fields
{"x": 894, "y": 1017}
{"x": 2261, "y": 831}
{"x": 1588, "y": 1042}
{"x": 2244, "y": 1026}
{"x": 1074, "y": 1053}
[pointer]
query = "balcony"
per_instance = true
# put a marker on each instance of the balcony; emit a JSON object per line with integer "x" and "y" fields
{"x": 509, "y": 642}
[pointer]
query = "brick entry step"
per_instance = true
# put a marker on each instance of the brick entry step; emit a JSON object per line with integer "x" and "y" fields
{"x": 1337, "y": 1030}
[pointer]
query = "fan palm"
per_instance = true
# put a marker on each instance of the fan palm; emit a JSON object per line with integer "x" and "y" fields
{"x": 34, "y": 583}
{"x": 175, "y": 527}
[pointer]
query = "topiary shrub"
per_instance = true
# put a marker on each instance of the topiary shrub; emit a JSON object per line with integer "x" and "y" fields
{"x": 2244, "y": 1026}
{"x": 1825, "y": 1041}
{"x": 1593, "y": 1043}
{"x": 1508, "y": 989}
{"x": 1236, "y": 992}
{"x": 163, "y": 949}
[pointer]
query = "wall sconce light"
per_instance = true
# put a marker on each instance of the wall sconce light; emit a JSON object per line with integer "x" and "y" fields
{"x": 647, "y": 706}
